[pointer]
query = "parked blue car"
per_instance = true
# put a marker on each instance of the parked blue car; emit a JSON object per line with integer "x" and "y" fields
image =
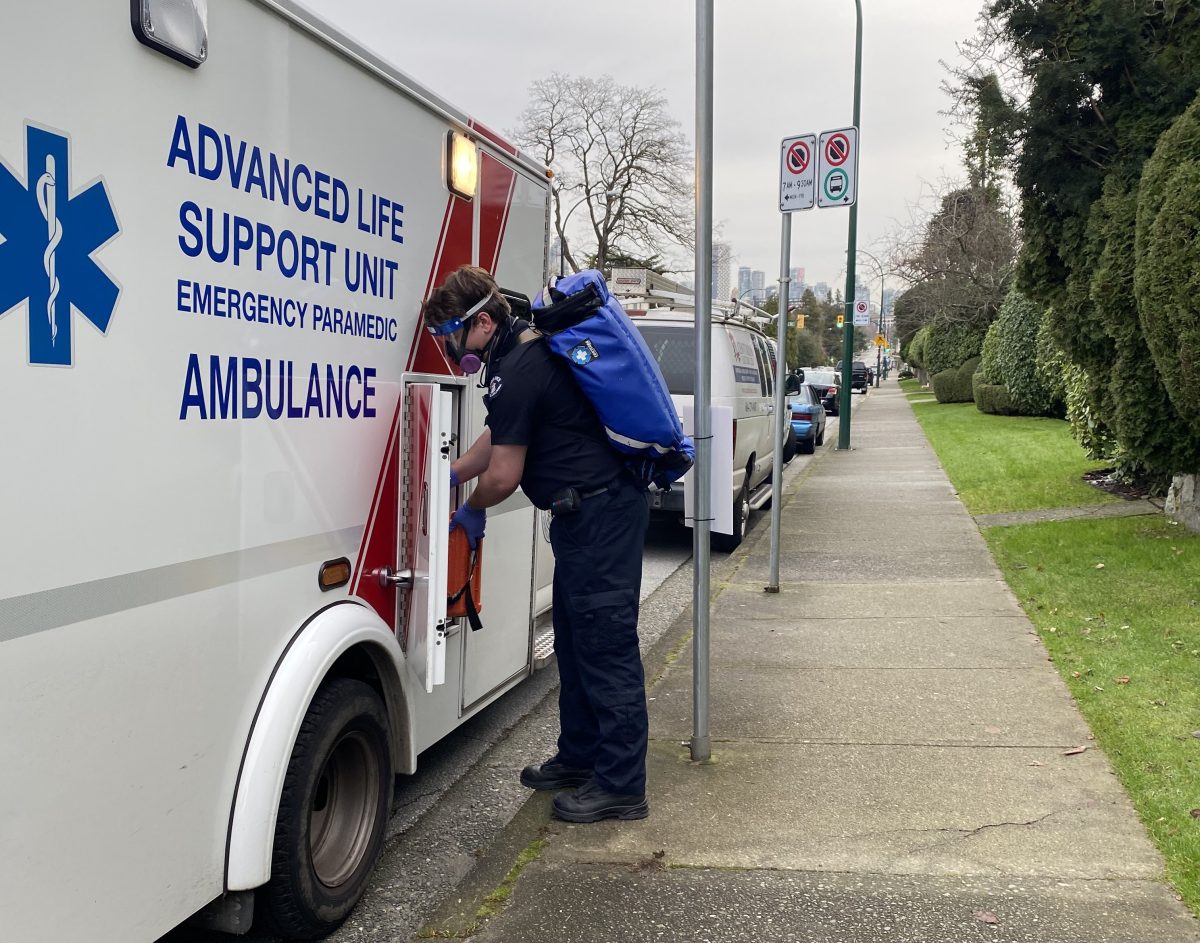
{"x": 808, "y": 417}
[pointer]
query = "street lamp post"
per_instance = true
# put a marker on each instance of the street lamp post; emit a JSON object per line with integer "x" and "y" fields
{"x": 851, "y": 242}
{"x": 878, "y": 350}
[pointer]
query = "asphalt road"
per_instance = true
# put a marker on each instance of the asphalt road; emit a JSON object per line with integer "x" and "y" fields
{"x": 466, "y": 791}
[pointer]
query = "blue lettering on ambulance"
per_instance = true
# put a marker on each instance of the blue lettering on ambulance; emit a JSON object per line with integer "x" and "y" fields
{"x": 231, "y": 389}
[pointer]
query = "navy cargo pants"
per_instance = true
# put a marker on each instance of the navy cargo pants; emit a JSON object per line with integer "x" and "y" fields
{"x": 597, "y": 582}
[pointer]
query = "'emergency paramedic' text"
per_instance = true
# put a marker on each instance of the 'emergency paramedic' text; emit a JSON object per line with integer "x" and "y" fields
{"x": 253, "y": 307}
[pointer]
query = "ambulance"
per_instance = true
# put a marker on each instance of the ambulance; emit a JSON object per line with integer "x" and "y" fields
{"x": 224, "y": 483}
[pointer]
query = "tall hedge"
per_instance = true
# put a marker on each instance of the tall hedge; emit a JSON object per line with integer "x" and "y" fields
{"x": 949, "y": 347}
{"x": 914, "y": 353}
{"x": 1167, "y": 253}
{"x": 1152, "y": 439}
{"x": 1051, "y": 362}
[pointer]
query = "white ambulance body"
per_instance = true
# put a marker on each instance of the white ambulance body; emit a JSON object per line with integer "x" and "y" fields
{"x": 226, "y": 442}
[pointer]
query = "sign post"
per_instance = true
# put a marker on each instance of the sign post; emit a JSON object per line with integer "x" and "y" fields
{"x": 701, "y": 743}
{"x": 797, "y": 191}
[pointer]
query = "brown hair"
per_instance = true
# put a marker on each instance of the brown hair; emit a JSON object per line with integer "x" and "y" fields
{"x": 462, "y": 289}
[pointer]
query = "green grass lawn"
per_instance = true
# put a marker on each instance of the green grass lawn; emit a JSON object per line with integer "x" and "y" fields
{"x": 1117, "y": 603}
{"x": 1008, "y": 463}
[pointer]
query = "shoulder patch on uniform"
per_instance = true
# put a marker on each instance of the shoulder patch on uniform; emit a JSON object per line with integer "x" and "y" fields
{"x": 494, "y": 386}
{"x": 584, "y": 353}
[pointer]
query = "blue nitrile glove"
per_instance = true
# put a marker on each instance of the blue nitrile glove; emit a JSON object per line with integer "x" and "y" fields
{"x": 471, "y": 520}
{"x": 454, "y": 482}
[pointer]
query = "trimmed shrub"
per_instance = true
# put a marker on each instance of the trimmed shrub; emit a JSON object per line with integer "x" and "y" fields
{"x": 945, "y": 386}
{"x": 992, "y": 398}
{"x": 1085, "y": 408}
{"x": 966, "y": 381}
{"x": 954, "y": 386}
{"x": 989, "y": 358}
{"x": 915, "y": 352}
{"x": 1167, "y": 253}
{"x": 949, "y": 347}
{"x": 1013, "y": 356}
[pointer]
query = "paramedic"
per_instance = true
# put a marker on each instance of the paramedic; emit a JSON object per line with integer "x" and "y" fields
{"x": 542, "y": 434}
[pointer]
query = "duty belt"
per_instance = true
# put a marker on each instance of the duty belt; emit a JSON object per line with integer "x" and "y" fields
{"x": 568, "y": 500}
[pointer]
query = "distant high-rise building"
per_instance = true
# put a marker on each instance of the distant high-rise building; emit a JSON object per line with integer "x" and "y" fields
{"x": 758, "y": 285}
{"x": 743, "y": 285}
{"x": 796, "y": 286}
{"x": 821, "y": 290}
{"x": 889, "y": 300}
{"x": 722, "y": 259}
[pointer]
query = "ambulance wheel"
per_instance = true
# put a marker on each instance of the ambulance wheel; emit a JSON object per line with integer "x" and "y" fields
{"x": 789, "y": 445}
{"x": 741, "y": 522}
{"x": 332, "y": 813}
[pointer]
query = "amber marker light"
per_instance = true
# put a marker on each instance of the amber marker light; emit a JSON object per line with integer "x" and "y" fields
{"x": 334, "y": 573}
{"x": 462, "y": 165}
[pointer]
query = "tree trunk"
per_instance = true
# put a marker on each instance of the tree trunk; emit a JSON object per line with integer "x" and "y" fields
{"x": 1183, "y": 501}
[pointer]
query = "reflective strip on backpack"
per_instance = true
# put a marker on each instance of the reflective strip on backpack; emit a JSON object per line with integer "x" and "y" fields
{"x": 637, "y": 444}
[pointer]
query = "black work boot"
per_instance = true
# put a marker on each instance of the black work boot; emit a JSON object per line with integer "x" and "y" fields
{"x": 554, "y": 775}
{"x": 590, "y": 803}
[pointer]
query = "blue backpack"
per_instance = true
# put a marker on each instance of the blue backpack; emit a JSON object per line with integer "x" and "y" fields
{"x": 583, "y": 323}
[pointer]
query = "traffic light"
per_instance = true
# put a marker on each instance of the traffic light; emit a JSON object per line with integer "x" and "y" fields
{"x": 799, "y": 321}
{"x": 841, "y": 321}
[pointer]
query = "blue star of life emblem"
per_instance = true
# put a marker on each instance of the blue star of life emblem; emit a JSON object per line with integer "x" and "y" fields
{"x": 48, "y": 240}
{"x": 583, "y": 354}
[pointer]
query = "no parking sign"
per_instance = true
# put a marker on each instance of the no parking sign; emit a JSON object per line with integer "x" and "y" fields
{"x": 797, "y": 173}
{"x": 837, "y": 167}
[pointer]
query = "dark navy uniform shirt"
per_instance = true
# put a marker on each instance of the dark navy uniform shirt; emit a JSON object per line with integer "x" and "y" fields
{"x": 532, "y": 400}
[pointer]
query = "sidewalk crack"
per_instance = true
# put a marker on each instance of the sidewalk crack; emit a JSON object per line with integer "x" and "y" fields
{"x": 963, "y": 834}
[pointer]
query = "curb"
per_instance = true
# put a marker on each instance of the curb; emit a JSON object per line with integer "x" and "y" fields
{"x": 458, "y": 914}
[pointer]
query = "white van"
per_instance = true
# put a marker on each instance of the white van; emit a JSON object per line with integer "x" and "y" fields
{"x": 743, "y": 378}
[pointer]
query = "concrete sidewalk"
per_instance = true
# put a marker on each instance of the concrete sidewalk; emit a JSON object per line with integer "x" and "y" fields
{"x": 889, "y": 751}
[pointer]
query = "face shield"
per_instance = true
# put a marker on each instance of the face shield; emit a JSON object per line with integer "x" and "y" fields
{"x": 468, "y": 361}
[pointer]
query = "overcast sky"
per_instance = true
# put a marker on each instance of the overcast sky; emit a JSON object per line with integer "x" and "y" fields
{"x": 781, "y": 68}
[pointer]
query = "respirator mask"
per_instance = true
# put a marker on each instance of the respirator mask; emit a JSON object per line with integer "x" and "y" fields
{"x": 468, "y": 361}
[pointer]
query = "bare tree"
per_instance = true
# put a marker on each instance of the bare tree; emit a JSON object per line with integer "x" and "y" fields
{"x": 618, "y": 157}
{"x": 962, "y": 258}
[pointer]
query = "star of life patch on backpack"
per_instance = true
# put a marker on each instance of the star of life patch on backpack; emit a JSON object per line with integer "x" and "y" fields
{"x": 583, "y": 354}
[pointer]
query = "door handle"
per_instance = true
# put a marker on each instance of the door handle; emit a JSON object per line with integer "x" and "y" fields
{"x": 397, "y": 579}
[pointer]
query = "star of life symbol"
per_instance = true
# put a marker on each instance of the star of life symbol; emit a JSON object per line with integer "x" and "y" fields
{"x": 46, "y": 253}
{"x": 584, "y": 353}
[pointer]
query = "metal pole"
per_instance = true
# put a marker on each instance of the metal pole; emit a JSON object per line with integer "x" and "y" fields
{"x": 879, "y": 350}
{"x": 702, "y": 408}
{"x": 852, "y": 239}
{"x": 781, "y": 419}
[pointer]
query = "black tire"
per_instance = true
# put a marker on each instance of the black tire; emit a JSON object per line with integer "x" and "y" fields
{"x": 807, "y": 446}
{"x": 789, "y": 445}
{"x": 727, "y": 543}
{"x": 821, "y": 436}
{"x": 332, "y": 814}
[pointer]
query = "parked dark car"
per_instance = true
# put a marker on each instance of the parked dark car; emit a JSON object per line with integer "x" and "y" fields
{"x": 859, "y": 375}
{"x": 828, "y": 384}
